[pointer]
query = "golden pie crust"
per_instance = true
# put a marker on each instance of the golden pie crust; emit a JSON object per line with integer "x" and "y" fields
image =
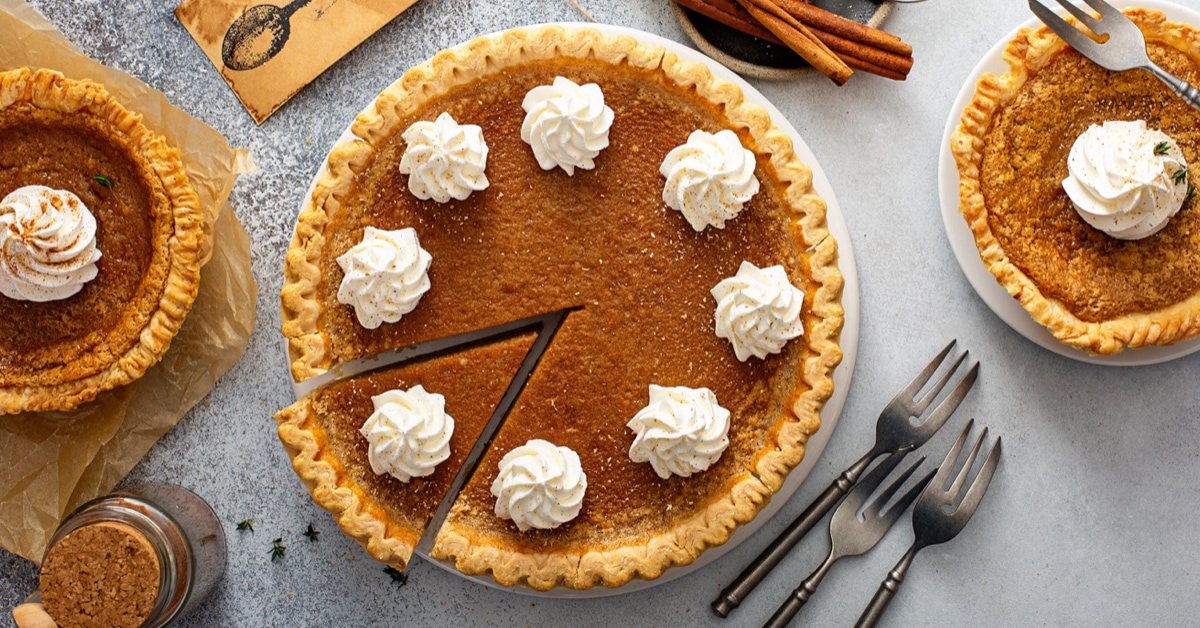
{"x": 1092, "y": 291}
{"x": 632, "y": 525}
{"x": 61, "y": 132}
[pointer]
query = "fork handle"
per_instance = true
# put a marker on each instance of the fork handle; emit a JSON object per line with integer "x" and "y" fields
{"x": 1182, "y": 88}
{"x": 736, "y": 592}
{"x": 887, "y": 589}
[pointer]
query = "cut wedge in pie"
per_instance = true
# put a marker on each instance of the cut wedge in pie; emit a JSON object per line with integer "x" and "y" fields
{"x": 597, "y": 241}
{"x": 68, "y": 144}
{"x": 1092, "y": 291}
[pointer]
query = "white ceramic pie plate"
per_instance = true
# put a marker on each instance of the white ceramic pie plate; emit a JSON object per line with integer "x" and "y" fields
{"x": 963, "y": 242}
{"x": 841, "y": 376}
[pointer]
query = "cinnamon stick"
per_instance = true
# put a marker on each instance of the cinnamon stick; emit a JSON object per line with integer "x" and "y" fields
{"x": 714, "y": 10}
{"x": 858, "y": 56}
{"x": 817, "y": 17}
{"x": 800, "y": 40}
{"x": 898, "y": 65}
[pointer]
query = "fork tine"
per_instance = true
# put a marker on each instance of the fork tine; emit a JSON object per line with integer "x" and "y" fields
{"x": 871, "y": 481}
{"x": 1073, "y": 36}
{"x": 910, "y": 391}
{"x": 980, "y": 485}
{"x": 1103, "y": 8}
{"x": 948, "y": 405}
{"x": 943, "y": 473}
{"x": 921, "y": 405}
{"x": 886, "y": 494}
{"x": 966, "y": 469}
{"x": 1083, "y": 16}
{"x": 904, "y": 502}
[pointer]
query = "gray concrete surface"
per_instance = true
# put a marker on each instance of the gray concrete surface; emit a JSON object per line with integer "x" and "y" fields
{"x": 1090, "y": 521}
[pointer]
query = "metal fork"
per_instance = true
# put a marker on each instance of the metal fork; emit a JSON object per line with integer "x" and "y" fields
{"x": 935, "y": 519}
{"x": 894, "y": 431}
{"x": 1123, "y": 47}
{"x": 851, "y": 536}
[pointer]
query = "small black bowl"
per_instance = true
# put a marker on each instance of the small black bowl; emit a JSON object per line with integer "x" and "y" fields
{"x": 753, "y": 57}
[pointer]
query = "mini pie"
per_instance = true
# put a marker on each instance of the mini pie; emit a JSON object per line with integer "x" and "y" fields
{"x": 601, "y": 243}
{"x": 61, "y": 133}
{"x": 1092, "y": 291}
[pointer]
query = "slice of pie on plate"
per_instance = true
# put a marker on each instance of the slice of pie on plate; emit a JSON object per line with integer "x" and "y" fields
{"x": 100, "y": 235}
{"x": 598, "y": 239}
{"x": 1092, "y": 291}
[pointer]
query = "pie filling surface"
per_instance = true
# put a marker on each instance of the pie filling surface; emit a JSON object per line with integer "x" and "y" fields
{"x": 634, "y": 274}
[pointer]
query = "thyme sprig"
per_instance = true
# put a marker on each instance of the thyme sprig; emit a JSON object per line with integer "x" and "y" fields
{"x": 311, "y": 533}
{"x": 277, "y": 548}
{"x": 246, "y": 524}
{"x": 1161, "y": 148}
{"x": 103, "y": 180}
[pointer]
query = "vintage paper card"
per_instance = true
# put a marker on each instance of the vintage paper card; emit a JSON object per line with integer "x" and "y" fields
{"x": 267, "y": 50}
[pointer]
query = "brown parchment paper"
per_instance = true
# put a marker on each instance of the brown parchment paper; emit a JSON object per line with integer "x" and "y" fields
{"x": 319, "y": 33}
{"x": 54, "y": 461}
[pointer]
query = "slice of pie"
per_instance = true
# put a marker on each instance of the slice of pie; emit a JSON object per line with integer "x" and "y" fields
{"x": 1092, "y": 291}
{"x": 71, "y": 139}
{"x": 602, "y": 243}
{"x": 322, "y": 434}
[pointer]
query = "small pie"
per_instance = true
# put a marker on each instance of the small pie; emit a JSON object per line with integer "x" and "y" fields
{"x": 71, "y": 135}
{"x": 600, "y": 243}
{"x": 1092, "y": 291}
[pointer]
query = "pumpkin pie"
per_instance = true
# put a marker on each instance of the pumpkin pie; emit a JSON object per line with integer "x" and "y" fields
{"x": 73, "y": 138}
{"x": 634, "y": 277}
{"x": 1092, "y": 291}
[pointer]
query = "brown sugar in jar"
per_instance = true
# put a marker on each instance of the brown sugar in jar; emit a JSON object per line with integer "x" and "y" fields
{"x": 140, "y": 557}
{"x": 102, "y": 574}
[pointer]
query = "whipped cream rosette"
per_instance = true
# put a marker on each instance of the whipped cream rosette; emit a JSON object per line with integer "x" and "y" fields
{"x": 47, "y": 244}
{"x": 444, "y": 159}
{"x": 408, "y": 434}
{"x": 566, "y": 124}
{"x": 681, "y": 431}
{"x": 1125, "y": 179}
{"x": 758, "y": 310}
{"x": 539, "y": 485}
{"x": 385, "y": 275}
{"x": 709, "y": 178}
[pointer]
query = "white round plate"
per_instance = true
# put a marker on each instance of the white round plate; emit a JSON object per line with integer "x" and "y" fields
{"x": 963, "y": 242}
{"x": 841, "y": 376}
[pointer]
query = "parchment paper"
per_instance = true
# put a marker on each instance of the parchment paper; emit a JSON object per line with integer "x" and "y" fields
{"x": 54, "y": 461}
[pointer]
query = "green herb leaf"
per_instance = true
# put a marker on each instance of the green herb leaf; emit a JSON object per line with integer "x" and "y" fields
{"x": 1161, "y": 148}
{"x": 397, "y": 575}
{"x": 1191, "y": 193}
{"x": 247, "y": 524}
{"x": 1179, "y": 176}
{"x": 103, "y": 180}
{"x": 277, "y": 548}
{"x": 311, "y": 533}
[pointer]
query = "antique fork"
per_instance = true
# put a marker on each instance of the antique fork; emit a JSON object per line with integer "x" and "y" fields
{"x": 894, "y": 431}
{"x": 935, "y": 517}
{"x": 1123, "y": 47}
{"x": 851, "y": 536}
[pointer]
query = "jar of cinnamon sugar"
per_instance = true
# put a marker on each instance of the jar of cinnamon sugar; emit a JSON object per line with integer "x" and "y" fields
{"x": 140, "y": 557}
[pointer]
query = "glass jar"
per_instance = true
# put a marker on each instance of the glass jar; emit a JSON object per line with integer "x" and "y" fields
{"x": 172, "y": 527}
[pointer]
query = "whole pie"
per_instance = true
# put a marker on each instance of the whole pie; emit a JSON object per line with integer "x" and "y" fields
{"x": 1092, "y": 291}
{"x": 633, "y": 277}
{"x": 71, "y": 138}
